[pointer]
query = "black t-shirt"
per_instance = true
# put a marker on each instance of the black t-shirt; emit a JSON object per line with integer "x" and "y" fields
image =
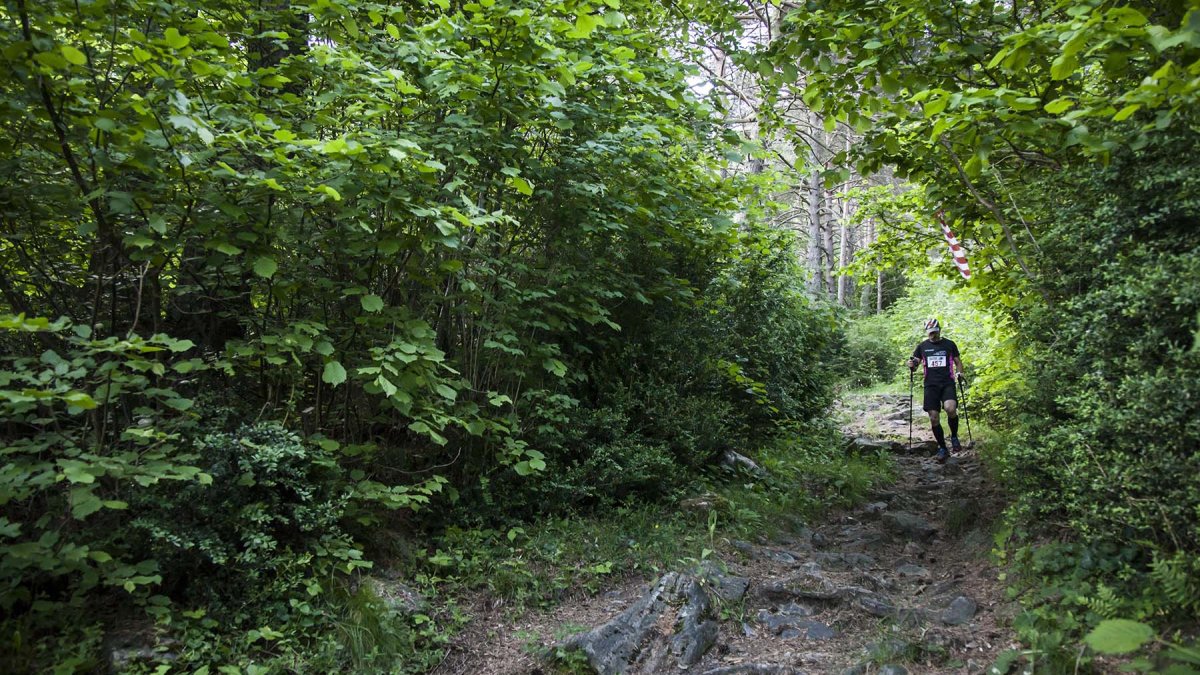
{"x": 938, "y": 360}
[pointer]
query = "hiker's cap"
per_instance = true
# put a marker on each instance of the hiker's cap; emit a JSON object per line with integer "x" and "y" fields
{"x": 932, "y": 326}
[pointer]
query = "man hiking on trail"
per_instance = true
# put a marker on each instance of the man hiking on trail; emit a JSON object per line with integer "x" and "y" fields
{"x": 942, "y": 367}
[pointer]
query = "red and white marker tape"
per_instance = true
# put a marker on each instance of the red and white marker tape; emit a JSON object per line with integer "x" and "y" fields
{"x": 960, "y": 256}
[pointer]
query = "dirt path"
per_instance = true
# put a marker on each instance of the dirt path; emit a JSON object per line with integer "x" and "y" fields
{"x": 901, "y": 585}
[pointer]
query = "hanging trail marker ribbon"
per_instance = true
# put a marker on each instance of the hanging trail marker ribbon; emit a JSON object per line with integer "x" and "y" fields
{"x": 960, "y": 256}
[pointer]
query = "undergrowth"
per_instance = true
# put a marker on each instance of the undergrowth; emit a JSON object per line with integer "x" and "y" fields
{"x": 540, "y": 564}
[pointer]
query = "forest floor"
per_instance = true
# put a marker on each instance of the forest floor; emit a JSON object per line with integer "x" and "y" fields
{"x": 900, "y": 584}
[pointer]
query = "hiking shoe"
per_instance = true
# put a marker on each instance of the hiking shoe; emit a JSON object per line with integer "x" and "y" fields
{"x": 954, "y": 444}
{"x": 942, "y": 455}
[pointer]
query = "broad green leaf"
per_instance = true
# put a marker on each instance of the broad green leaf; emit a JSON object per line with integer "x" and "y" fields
{"x": 1059, "y": 105}
{"x": 447, "y": 392}
{"x": 174, "y": 39}
{"x": 584, "y": 25}
{"x": 80, "y": 400}
{"x": 179, "y": 345}
{"x": 998, "y": 57}
{"x": 73, "y": 55}
{"x": 936, "y": 106}
{"x": 180, "y": 404}
{"x": 371, "y": 302}
{"x": 555, "y": 366}
{"x": 1126, "y": 17}
{"x": 1063, "y": 66}
{"x": 333, "y": 374}
{"x": 76, "y": 471}
{"x": 521, "y": 185}
{"x": 53, "y": 60}
{"x": 335, "y": 146}
{"x": 265, "y": 267}
{"x": 84, "y": 502}
{"x": 1119, "y": 636}
{"x": 139, "y": 241}
{"x": 1126, "y": 112}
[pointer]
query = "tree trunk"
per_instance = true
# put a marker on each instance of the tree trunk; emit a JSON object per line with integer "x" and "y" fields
{"x": 843, "y": 250}
{"x": 827, "y": 259}
{"x": 816, "y": 278}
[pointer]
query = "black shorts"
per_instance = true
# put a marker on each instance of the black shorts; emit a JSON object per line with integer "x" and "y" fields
{"x": 935, "y": 394}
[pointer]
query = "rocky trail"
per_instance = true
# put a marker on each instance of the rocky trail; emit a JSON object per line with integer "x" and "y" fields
{"x": 899, "y": 585}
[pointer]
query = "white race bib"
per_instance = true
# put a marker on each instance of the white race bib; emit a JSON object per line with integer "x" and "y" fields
{"x": 936, "y": 361}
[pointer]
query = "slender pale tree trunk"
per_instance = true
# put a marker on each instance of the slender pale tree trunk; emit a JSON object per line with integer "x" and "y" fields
{"x": 843, "y": 241}
{"x": 815, "y": 192}
{"x": 871, "y": 235}
{"x": 827, "y": 259}
{"x": 843, "y": 250}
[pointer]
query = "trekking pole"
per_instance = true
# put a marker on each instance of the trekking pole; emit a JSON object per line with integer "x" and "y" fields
{"x": 911, "y": 375}
{"x": 963, "y": 392}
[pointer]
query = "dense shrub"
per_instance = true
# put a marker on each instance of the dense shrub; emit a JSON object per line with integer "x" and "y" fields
{"x": 680, "y": 384}
{"x": 272, "y": 497}
{"x": 1109, "y": 449}
{"x": 436, "y": 244}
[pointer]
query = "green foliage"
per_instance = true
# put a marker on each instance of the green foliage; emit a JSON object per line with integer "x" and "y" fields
{"x": 430, "y": 246}
{"x": 876, "y": 347}
{"x": 1122, "y": 636}
{"x": 1060, "y": 140}
{"x": 1110, "y": 454}
{"x": 1118, "y": 636}
{"x": 866, "y": 355}
{"x": 272, "y": 495}
{"x": 950, "y": 94}
{"x": 729, "y": 370}
{"x": 807, "y": 474}
{"x": 91, "y": 421}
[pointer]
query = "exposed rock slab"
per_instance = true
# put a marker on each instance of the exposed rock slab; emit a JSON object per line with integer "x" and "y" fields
{"x": 754, "y": 669}
{"x": 908, "y": 526}
{"x": 669, "y": 627}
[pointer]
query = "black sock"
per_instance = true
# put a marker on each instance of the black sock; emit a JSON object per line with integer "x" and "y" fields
{"x": 954, "y": 426}
{"x": 939, "y": 434}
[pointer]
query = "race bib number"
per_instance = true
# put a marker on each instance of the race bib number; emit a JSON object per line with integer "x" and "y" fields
{"x": 936, "y": 361}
